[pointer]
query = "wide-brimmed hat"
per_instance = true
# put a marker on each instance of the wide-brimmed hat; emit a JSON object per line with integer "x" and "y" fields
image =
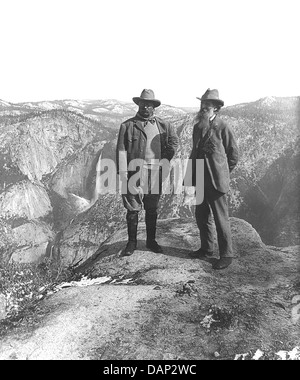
{"x": 147, "y": 95}
{"x": 212, "y": 95}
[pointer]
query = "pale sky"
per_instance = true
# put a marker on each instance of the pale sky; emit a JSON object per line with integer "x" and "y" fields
{"x": 102, "y": 49}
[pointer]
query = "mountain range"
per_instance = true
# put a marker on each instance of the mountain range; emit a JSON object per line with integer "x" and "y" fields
{"x": 49, "y": 204}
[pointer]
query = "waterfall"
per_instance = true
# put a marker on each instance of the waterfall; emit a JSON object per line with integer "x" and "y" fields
{"x": 82, "y": 204}
{"x": 98, "y": 187}
{"x": 78, "y": 203}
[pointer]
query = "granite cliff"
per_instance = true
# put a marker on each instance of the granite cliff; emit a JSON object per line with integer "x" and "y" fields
{"x": 49, "y": 151}
{"x": 168, "y": 306}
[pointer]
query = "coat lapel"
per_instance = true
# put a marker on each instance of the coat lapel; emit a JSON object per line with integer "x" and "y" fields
{"x": 140, "y": 125}
{"x": 202, "y": 134}
{"x": 207, "y": 132}
{"x": 162, "y": 133}
{"x": 215, "y": 123}
{"x": 198, "y": 136}
{"x": 159, "y": 126}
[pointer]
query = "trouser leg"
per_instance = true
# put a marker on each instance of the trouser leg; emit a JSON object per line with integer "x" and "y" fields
{"x": 150, "y": 220}
{"x": 151, "y": 200}
{"x": 205, "y": 224}
{"x": 133, "y": 204}
{"x": 219, "y": 206}
{"x": 132, "y": 225}
{"x": 151, "y": 206}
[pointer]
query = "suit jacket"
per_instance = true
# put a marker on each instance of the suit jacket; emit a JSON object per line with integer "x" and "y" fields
{"x": 221, "y": 155}
{"x": 132, "y": 141}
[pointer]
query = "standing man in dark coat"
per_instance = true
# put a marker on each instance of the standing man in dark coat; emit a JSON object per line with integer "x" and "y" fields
{"x": 145, "y": 140}
{"x": 214, "y": 142}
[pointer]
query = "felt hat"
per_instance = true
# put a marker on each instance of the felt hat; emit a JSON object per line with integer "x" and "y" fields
{"x": 212, "y": 95}
{"x": 147, "y": 95}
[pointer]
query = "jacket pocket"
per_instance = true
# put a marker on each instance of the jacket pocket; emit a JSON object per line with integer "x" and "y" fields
{"x": 133, "y": 145}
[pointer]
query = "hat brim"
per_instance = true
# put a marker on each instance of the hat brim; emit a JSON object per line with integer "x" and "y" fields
{"x": 156, "y": 102}
{"x": 219, "y": 101}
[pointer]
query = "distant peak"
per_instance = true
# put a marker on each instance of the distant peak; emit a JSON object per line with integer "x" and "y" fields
{"x": 267, "y": 101}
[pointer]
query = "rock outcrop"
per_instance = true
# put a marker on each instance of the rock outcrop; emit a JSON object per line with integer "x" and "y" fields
{"x": 87, "y": 237}
{"x": 272, "y": 205}
{"x": 168, "y": 306}
{"x": 25, "y": 200}
{"x": 26, "y": 214}
{"x": 82, "y": 238}
{"x": 46, "y": 158}
{"x": 31, "y": 241}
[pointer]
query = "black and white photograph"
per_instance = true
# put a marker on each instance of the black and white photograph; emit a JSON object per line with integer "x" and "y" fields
{"x": 149, "y": 183}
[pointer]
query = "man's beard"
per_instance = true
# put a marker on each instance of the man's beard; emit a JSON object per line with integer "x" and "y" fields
{"x": 202, "y": 120}
{"x": 201, "y": 117}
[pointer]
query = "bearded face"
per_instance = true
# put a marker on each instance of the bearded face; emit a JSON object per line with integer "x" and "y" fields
{"x": 207, "y": 110}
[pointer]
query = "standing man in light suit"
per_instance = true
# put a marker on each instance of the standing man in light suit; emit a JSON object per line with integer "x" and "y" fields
{"x": 146, "y": 139}
{"x": 214, "y": 142}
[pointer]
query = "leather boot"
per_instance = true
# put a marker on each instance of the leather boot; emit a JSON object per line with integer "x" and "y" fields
{"x": 201, "y": 254}
{"x": 222, "y": 263}
{"x": 151, "y": 243}
{"x": 132, "y": 224}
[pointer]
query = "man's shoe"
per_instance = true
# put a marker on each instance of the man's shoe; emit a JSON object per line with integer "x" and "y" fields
{"x": 223, "y": 263}
{"x": 129, "y": 249}
{"x": 201, "y": 254}
{"x": 154, "y": 246}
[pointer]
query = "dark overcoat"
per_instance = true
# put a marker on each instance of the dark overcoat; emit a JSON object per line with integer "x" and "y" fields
{"x": 222, "y": 155}
{"x": 132, "y": 141}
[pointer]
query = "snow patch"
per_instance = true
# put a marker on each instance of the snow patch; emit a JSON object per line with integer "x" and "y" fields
{"x": 75, "y": 103}
{"x": 170, "y": 108}
{"x": 4, "y": 104}
{"x": 118, "y": 109}
{"x": 85, "y": 281}
{"x": 290, "y": 355}
{"x": 29, "y": 105}
{"x": 48, "y": 105}
{"x": 94, "y": 117}
{"x": 100, "y": 109}
{"x": 294, "y": 354}
{"x": 267, "y": 101}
